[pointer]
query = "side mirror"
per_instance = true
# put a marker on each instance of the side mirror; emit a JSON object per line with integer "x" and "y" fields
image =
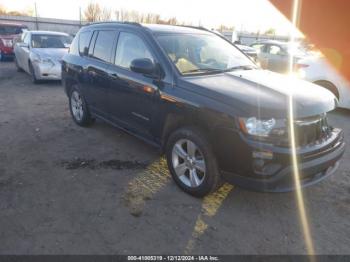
{"x": 143, "y": 66}
{"x": 24, "y": 45}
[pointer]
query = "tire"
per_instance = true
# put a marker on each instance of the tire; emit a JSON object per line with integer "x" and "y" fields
{"x": 194, "y": 168}
{"x": 32, "y": 73}
{"x": 19, "y": 69}
{"x": 78, "y": 108}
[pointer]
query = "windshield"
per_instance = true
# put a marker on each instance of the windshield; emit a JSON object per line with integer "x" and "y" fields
{"x": 51, "y": 41}
{"x": 11, "y": 30}
{"x": 198, "y": 54}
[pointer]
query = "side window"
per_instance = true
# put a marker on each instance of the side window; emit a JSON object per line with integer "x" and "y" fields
{"x": 274, "y": 50}
{"x": 130, "y": 47}
{"x": 73, "y": 49}
{"x": 104, "y": 45}
{"x": 84, "y": 41}
{"x": 258, "y": 47}
{"x": 26, "y": 39}
{"x": 92, "y": 43}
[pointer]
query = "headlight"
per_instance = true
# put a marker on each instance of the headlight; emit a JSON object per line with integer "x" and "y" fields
{"x": 35, "y": 57}
{"x": 262, "y": 127}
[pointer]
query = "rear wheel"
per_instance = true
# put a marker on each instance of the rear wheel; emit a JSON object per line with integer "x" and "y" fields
{"x": 191, "y": 162}
{"x": 79, "y": 109}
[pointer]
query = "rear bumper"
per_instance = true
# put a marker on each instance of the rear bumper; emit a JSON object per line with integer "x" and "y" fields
{"x": 7, "y": 51}
{"x": 310, "y": 169}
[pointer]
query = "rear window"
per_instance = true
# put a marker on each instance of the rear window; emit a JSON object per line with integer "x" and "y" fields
{"x": 104, "y": 45}
{"x": 84, "y": 41}
{"x": 12, "y": 30}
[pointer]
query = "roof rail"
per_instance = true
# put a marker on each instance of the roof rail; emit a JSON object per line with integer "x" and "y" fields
{"x": 196, "y": 27}
{"x": 114, "y": 22}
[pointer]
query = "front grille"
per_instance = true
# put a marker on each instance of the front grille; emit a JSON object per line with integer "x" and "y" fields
{"x": 312, "y": 130}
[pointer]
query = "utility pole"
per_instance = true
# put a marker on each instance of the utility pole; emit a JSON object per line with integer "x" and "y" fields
{"x": 36, "y": 17}
{"x": 80, "y": 16}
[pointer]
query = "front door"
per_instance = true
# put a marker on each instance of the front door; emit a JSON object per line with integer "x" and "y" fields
{"x": 132, "y": 96}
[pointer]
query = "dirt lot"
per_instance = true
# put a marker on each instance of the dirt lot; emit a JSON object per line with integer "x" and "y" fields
{"x": 69, "y": 190}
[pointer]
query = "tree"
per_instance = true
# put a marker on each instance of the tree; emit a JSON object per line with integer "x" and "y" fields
{"x": 93, "y": 12}
{"x": 2, "y": 10}
{"x": 106, "y": 15}
{"x": 270, "y": 31}
{"x": 27, "y": 12}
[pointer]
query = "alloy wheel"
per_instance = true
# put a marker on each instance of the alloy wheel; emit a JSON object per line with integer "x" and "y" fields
{"x": 188, "y": 163}
{"x": 77, "y": 106}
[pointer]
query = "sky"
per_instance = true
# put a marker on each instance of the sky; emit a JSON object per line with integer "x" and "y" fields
{"x": 250, "y": 15}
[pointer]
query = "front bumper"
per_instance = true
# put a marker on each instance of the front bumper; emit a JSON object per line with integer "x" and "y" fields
{"x": 315, "y": 163}
{"x": 47, "y": 71}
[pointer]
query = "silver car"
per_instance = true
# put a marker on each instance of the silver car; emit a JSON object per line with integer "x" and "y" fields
{"x": 39, "y": 53}
{"x": 275, "y": 55}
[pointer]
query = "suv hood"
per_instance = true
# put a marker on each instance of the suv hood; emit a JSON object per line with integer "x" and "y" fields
{"x": 263, "y": 94}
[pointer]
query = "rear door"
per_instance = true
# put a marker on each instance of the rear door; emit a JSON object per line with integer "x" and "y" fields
{"x": 96, "y": 70}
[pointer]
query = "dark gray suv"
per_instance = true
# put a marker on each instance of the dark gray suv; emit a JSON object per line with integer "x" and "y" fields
{"x": 204, "y": 103}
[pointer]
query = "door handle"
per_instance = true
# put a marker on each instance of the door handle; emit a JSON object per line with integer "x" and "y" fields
{"x": 92, "y": 73}
{"x": 113, "y": 76}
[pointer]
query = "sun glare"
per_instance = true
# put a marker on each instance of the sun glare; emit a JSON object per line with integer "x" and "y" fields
{"x": 296, "y": 174}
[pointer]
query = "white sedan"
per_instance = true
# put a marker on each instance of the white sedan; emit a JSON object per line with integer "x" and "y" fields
{"x": 317, "y": 70}
{"x": 39, "y": 53}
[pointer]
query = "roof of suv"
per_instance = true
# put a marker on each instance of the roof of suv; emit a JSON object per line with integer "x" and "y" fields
{"x": 156, "y": 28}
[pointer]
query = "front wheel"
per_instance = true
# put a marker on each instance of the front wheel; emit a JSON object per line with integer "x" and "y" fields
{"x": 191, "y": 162}
{"x": 32, "y": 73}
{"x": 79, "y": 109}
{"x": 19, "y": 69}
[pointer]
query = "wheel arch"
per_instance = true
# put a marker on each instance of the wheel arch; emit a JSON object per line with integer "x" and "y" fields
{"x": 69, "y": 83}
{"x": 174, "y": 121}
{"x": 328, "y": 85}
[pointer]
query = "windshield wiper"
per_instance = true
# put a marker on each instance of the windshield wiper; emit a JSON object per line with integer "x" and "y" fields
{"x": 244, "y": 67}
{"x": 202, "y": 70}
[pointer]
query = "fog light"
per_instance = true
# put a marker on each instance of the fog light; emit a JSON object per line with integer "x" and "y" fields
{"x": 263, "y": 155}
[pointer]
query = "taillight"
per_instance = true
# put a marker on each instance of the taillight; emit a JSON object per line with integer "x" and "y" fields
{"x": 299, "y": 66}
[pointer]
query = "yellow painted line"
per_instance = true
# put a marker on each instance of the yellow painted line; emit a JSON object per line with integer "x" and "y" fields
{"x": 210, "y": 207}
{"x": 145, "y": 185}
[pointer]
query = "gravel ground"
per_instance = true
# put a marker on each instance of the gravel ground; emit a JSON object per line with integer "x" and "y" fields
{"x": 71, "y": 190}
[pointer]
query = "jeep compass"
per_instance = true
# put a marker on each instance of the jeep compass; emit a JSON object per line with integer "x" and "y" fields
{"x": 207, "y": 106}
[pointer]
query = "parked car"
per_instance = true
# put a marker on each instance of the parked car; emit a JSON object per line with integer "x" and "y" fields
{"x": 214, "y": 114}
{"x": 316, "y": 69}
{"x": 275, "y": 55}
{"x": 40, "y": 54}
{"x": 8, "y": 33}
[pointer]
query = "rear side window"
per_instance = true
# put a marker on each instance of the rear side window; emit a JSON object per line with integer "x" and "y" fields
{"x": 130, "y": 47}
{"x": 73, "y": 49}
{"x": 104, "y": 45}
{"x": 84, "y": 41}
